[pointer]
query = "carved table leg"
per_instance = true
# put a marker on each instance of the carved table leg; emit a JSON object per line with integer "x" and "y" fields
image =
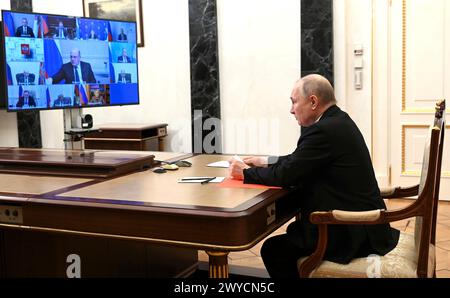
{"x": 218, "y": 264}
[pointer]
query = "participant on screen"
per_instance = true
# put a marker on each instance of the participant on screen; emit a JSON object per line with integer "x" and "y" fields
{"x": 26, "y": 100}
{"x": 25, "y": 78}
{"x": 75, "y": 71}
{"x": 24, "y": 30}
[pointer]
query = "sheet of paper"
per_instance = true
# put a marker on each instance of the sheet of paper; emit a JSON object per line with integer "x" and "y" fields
{"x": 238, "y": 158}
{"x": 219, "y": 164}
{"x": 200, "y": 180}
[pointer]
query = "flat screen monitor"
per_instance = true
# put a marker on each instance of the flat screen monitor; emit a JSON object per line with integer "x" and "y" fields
{"x": 3, "y": 101}
{"x": 57, "y": 62}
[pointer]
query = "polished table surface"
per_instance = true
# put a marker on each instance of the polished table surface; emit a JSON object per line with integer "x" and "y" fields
{"x": 153, "y": 207}
{"x": 40, "y": 185}
{"x": 35, "y": 185}
{"x": 152, "y": 189}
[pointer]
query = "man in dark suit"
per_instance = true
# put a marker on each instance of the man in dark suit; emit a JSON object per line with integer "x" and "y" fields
{"x": 60, "y": 31}
{"x": 124, "y": 77}
{"x": 24, "y": 30}
{"x": 122, "y": 35}
{"x": 124, "y": 58}
{"x": 26, "y": 100}
{"x": 25, "y": 78}
{"x": 92, "y": 34}
{"x": 61, "y": 101}
{"x": 75, "y": 71}
{"x": 330, "y": 169}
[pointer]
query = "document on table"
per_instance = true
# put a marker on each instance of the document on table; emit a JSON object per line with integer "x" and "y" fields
{"x": 219, "y": 164}
{"x": 224, "y": 163}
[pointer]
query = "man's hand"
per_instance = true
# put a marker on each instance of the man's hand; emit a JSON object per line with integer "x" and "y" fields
{"x": 259, "y": 162}
{"x": 236, "y": 170}
{"x": 49, "y": 81}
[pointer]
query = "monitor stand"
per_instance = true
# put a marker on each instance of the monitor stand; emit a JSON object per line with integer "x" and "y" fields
{"x": 73, "y": 131}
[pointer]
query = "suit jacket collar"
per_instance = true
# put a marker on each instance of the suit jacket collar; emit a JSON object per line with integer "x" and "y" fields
{"x": 330, "y": 111}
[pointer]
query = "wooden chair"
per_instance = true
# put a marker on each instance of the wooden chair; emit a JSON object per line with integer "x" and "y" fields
{"x": 414, "y": 255}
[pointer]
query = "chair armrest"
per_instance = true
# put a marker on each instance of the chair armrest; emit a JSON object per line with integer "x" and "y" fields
{"x": 351, "y": 216}
{"x": 339, "y": 217}
{"x": 323, "y": 219}
{"x": 399, "y": 192}
{"x": 347, "y": 217}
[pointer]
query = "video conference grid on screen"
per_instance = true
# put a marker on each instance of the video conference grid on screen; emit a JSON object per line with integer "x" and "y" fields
{"x": 55, "y": 62}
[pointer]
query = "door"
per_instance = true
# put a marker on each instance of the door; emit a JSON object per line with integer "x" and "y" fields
{"x": 419, "y": 74}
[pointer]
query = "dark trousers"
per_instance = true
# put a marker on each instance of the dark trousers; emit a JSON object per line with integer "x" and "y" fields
{"x": 280, "y": 257}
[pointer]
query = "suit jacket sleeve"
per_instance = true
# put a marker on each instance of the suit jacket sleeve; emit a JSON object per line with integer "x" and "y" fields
{"x": 60, "y": 75}
{"x": 276, "y": 159}
{"x": 311, "y": 155}
{"x": 90, "y": 77}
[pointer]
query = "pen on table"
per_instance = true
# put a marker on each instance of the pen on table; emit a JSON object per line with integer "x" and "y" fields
{"x": 208, "y": 180}
{"x": 198, "y": 178}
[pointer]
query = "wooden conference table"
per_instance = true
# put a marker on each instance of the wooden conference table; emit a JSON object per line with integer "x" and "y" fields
{"x": 112, "y": 217}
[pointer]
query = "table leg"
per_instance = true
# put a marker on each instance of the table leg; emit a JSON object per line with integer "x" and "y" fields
{"x": 160, "y": 144}
{"x": 218, "y": 264}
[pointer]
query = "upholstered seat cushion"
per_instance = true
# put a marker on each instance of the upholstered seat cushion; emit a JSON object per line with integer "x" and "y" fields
{"x": 400, "y": 262}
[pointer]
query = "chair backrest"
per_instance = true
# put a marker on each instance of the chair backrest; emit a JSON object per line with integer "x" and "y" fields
{"x": 439, "y": 121}
{"x": 428, "y": 196}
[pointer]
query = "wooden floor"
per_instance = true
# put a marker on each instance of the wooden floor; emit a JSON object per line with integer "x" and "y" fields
{"x": 249, "y": 262}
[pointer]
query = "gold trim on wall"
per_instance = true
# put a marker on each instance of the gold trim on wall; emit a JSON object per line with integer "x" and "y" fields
{"x": 420, "y": 110}
{"x": 403, "y": 55}
{"x": 404, "y": 127}
{"x": 414, "y": 173}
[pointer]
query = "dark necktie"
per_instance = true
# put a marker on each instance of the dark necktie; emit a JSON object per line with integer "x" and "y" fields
{"x": 77, "y": 77}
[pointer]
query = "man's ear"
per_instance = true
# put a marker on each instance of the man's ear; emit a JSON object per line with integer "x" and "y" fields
{"x": 314, "y": 102}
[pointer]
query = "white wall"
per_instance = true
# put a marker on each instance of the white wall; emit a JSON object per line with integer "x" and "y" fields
{"x": 259, "y": 54}
{"x": 164, "y": 75}
{"x": 381, "y": 93}
{"x": 164, "y": 72}
{"x": 358, "y": 31}
{"x": 367, "y": 107}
